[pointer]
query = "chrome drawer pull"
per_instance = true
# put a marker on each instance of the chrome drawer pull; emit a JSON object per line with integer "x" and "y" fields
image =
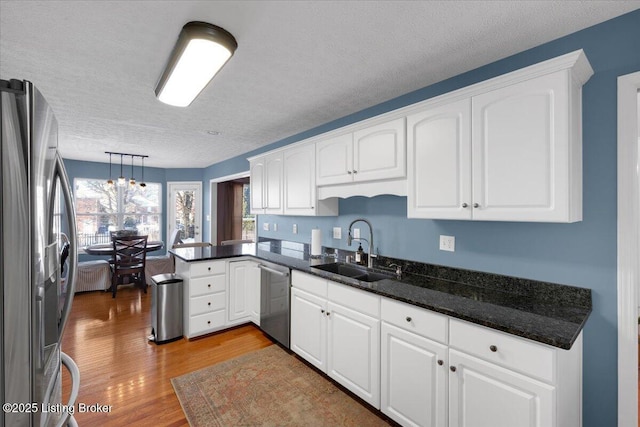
{"x": 493, "y": 348}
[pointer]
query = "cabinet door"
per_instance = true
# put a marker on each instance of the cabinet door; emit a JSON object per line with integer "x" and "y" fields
{"x": 273, "y": 184}
{"x": 521, "y": 151}
{"x": 413, "y": 378}
{"x": 309, "y": 328}
{"x": 334, "y": 160}
{"x": 379, "y": 152}
{"x": 439, "y": 157}
{"x": 300, "y": 180}
{"x": 257, "y": 185}
{"x": 239, "y": 290}
{"x": 254, "y": 274}
{"x": 353, "y": 357}
{"x": 483, "y": 394}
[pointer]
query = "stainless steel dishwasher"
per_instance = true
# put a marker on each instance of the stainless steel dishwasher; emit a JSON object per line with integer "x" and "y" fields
{"x": 275, "y": 287}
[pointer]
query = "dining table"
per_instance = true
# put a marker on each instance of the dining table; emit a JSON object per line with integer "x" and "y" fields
{"x": 106, "y": 249}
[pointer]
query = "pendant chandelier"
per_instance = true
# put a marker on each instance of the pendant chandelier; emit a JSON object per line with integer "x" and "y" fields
{"x": 122, "y": 181}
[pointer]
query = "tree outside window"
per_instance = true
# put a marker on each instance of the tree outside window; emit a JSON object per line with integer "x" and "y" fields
{"x": 101, "y": 208}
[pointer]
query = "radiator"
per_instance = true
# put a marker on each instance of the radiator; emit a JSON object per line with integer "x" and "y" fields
{"x": 93, "y": 276}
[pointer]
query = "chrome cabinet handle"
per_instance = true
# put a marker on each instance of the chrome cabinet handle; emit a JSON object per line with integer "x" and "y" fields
{"x": 349, "y": 172}
{"x": 493, "y": 348}
{"x": 475, "y": 205}
{"x": 464, "y": 205}
{"x": 453, "y": 368}
{"x": 440, "y": 362}
{"x": 408, "y": 319}
{"x": 355, "y": 171}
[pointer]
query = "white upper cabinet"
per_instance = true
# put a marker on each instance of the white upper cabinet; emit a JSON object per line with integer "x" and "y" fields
{"x": 439, "y": 157}
{"x": 525, "y": 164}
{"x": 266, "y": 184}
{"x": 273, "y": 184}
{"x": 256, "y": 185}
{"x": 374, "y": 153}
{"x": 379, "y": 152}
{"x": 509, "y": 149}
{"x": 334, "y": 160}
{"x": 300, "y": 184}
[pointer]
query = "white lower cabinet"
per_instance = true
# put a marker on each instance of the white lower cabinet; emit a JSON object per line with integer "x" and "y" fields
{"x": 309, "y": 327}
{"x": 204, "y": 307}
{"x": 342, "y": 340}
{"x": 244, "y": 291}
{"x": 484, "y": 394}
{"x": 501, "y": 380}
{"x": 423, "y": 368}
{"x": 414, "y": 365}
{"x": 354, "y": 351}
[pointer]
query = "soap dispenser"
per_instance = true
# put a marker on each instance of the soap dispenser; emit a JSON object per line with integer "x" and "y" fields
{"x": 360, "y": 255}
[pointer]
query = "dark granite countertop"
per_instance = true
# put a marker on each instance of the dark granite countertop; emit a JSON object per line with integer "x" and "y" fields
{"x": 549, "y": 313}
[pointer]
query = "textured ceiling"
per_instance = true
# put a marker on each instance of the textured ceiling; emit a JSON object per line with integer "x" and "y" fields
{"x": 299, "y": 64}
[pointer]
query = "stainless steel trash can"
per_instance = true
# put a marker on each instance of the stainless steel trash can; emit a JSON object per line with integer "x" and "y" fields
{"x": 166, "y": 308}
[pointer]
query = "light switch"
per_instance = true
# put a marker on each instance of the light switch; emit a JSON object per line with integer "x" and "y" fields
{"x": 295, "y": 228}
{"x": 337, "y": 233}
{"x": 265, "y": 226}
{"x": 356, "y": 233}
{"x": 275, "y": 227}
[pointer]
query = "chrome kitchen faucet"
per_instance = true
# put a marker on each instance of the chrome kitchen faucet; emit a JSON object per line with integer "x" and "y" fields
{"x": 370, "y": 255}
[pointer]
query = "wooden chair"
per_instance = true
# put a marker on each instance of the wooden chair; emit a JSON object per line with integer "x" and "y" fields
{"x": 129, "y": 259}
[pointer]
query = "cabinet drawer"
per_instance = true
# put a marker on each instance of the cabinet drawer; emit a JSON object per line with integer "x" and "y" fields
{"x": 362, "y": 301}
{"x": 314, "y": 284}
{"x": 207, "y": 268}
{"x": 503, "y": 349}
{"x": 207, "y": 303}
{"x": 415, "y": 319}
{"x": 204, "y": 323}
{"x": 206, "y": 285}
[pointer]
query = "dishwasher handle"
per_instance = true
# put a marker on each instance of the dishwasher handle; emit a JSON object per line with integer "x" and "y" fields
{"x": 274, "y": 271}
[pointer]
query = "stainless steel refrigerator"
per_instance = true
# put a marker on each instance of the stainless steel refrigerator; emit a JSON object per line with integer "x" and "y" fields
{"x": 36, "y": 291}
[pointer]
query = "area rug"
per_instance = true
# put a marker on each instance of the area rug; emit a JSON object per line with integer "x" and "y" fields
{"x": 268, "y": 387}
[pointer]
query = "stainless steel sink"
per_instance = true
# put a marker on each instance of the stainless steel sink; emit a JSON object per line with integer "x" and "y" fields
{"x": 353, "y": 271}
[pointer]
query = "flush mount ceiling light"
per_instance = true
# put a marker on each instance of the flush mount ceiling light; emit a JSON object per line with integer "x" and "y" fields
{"x": 201, "y": 51}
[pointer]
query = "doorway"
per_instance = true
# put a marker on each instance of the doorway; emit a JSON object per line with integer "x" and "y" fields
{"x": 628, "y": 246}
{"x": 184, "y": 210}
{"x": 230, "y": 209}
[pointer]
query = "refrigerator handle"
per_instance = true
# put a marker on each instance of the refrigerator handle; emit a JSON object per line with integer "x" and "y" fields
{"x": 73, "y": 241}
{"x": 75, "y": 388}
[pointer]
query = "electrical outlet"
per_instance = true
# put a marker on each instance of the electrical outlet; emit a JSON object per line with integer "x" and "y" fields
{"x": 265, "y": 226}
{"x": 295, "y": 228}
{"x": 447, "y": 243}
{"x": 356, "y": 233}
{"x": 337, "y": 233}
{"x": 275, "y": 227}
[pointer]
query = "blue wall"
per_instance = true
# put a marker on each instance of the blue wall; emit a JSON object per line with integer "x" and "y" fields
{"x": 80, "y": 169}
{"x": 581, "y": 254}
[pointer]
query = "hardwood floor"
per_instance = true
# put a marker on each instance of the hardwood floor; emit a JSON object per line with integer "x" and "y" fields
{"x": 107, "y": 338}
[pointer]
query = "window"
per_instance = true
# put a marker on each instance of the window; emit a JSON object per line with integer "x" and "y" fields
{"x": 101, "y": 208}
{"x": 248, "y": 220}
